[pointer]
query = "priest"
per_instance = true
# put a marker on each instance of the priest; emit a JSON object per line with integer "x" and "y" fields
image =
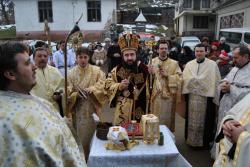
{"x": 50, "y": 82}
{"x": 200, "y": 79}
{"x": 32, "y": 133}
{"x": 87, "y": 96}
{"x": 167, "y": 86}
{"x": 233, "y": 141}
{"x": 127, "y": 84}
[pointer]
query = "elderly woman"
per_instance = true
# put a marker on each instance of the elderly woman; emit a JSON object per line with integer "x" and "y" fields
{"x": 99, "y": 57}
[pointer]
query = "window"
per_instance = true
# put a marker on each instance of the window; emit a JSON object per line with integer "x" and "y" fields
{"x": 45, "y": 11}
{"x": 200, "y": 22}
{"x": 225, "y": 34}
{"x": 232, "y": 21}
{"x": 247, "y": 38}
{"x": 205, "y": 3}
{"x": 94, "y": 11}
{"x": 187, "y": 4}
{"x": 231, "y": 37}
{"x": 197, "y": 5}
{"x": 235, "y": 38}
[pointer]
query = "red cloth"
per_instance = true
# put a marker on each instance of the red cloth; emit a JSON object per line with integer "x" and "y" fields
{"x": 215, "y": 43}
{"x": 222, "y": 58}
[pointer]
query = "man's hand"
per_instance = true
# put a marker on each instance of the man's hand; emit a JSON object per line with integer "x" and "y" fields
{"x": 227, "y": 127}
{"x": 151, "y": 69}
{"x": 163, "y": 72}
{"x": 57, "y": 96}
{"x": 124, "y": 84}
{"x": 235, "y": 133}
{"x": 83, "y": 94}
{"x": 225, "y": 87}
{"x": 87, "y": 90}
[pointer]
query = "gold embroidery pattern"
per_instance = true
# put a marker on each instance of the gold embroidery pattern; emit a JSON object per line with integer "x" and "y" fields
{"x": 122, "y": 73}
{"x": 29, "y": 163}
{"x": 27, "y": 123}
{"x": 138, "y": 78}
{"x": 51, "y": 145}
{"x": 241, "y": 138}
{"x": 125, "y": 74}
{"x": 245, "y": 118}
{"x": 223, "y": 154}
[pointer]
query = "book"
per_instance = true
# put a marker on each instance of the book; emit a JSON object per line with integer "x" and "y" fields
{"x": 137, "y": 129}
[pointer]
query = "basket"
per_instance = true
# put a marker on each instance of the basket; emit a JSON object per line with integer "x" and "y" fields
{"x": 102, "y": 130}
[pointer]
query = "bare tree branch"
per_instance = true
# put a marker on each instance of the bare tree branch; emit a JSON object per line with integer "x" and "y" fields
{"x": 6, "y": 12}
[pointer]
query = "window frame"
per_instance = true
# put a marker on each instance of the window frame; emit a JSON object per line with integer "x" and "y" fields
{"x": 201, "y": 18}
{"x": 235, "y": 40}
{"x": 188, "y": 7}
{"x": 228, "y": 35}
{"x": 96, "y": 9}
{"x": 247, "y": 34}
{"x": 46, "y": 10}
{"x": 203, "y": 2}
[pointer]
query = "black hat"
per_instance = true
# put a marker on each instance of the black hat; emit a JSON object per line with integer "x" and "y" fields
{"x": 98, "y": 44}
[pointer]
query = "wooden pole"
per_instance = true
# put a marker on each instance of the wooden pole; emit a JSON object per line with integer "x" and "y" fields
{"x": 74, "y": 30}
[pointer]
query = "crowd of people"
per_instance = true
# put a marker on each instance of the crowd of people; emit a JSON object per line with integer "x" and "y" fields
{"x": 135, "y": 78}
{"x": 108, "y": 56}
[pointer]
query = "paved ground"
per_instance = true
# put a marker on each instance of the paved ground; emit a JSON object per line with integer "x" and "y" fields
{"x": 197, "y": 158}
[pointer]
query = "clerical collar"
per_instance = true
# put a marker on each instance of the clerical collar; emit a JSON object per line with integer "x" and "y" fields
{"x": 163, "y": 59}
{"x": 244, "y": 65}
{"x": 200, "y": 60}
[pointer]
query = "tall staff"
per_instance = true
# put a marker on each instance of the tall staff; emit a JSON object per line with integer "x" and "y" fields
{"x": 47, "y": 33}
{"x": 150, "y": 81}
{"x": 74, "y": 30}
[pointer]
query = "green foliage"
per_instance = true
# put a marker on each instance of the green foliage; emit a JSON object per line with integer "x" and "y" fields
{"x": 8, "y": 33}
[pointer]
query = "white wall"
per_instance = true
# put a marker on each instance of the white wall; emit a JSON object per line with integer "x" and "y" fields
{"x": 65, "y": 13}
{"x": 181, "y": 25}
{"x": 26, "y": 15}
{"x": 234, "y": 9}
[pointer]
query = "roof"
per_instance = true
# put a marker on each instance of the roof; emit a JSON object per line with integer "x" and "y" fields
{"x": 140, "y": 18}
{"x": 246, "y": 29}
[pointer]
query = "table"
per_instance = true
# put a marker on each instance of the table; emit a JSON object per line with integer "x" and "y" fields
{"x": 142, "y": 155}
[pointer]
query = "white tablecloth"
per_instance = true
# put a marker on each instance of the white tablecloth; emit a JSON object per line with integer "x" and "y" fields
{"x": 139, "y": 156}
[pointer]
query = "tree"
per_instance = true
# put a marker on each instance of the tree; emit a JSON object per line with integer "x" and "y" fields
{"x": 6, "y": 12}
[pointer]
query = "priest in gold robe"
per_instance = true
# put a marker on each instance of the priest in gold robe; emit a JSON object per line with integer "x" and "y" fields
{"x": 233, "y": 141}
{"x": 32, "y": 133}
{"x": 87, "y": 96}
{"x": 50, "y": 82}
{"x": 167, "y": 86}
{"x": 200, "y": 79}
{"x": 127, "y": 85}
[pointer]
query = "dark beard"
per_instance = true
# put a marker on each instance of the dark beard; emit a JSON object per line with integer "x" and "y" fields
{"x": 131, "y": 68}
